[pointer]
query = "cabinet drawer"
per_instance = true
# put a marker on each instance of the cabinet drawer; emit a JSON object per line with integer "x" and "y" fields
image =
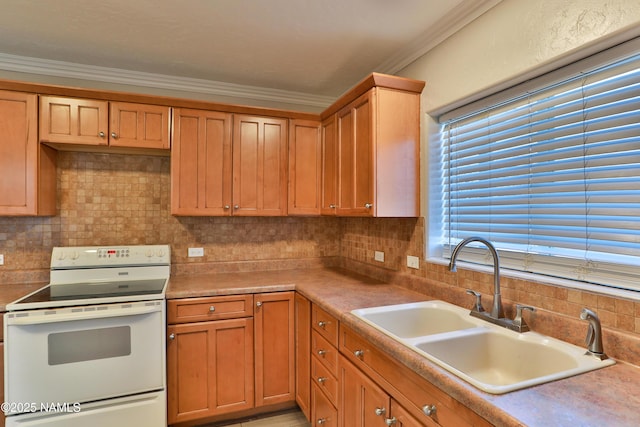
{"x": 325, "y": 381}
{"x": 209, "y": 308}
{"x": 325, "y": 352}
{"x": 411, "y": 390}
{"x": 322, "y": 411}
{"x": 325, "y": 324}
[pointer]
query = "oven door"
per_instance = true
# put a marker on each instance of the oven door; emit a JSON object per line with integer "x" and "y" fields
{"x": 82, "y": 354}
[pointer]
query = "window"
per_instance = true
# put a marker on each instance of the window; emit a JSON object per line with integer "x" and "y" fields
{"x": 552, "y": 175}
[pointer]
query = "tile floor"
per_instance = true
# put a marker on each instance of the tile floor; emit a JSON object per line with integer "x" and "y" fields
{"x": 288, "y": 419}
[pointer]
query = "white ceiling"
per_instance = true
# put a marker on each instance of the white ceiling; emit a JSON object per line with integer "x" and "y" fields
{"x": 314, "y": 47}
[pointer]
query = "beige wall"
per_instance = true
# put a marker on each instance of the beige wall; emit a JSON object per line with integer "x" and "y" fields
{"x": 515, "y": 38}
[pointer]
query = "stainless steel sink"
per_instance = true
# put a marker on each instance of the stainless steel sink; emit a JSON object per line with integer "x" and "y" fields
{"x": 492, "y": 358}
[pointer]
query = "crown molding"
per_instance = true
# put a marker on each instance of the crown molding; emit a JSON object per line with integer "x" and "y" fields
{"x": 457, "y": 18}
{"x": 72, "y": 70}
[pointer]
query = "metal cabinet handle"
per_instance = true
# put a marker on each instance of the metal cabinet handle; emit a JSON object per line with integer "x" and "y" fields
{"x": 212, "y": 309}
{"x": 368, "y": 205}
{"x": 172, "y": 336}
{"x": 380, "y": 411}
{"x": 390, "y": 421}
{"x": 227, "y": 206}
{"x": 358, "y": 353}
{"x": 332, "y": 206}
{"x": 114, "y": 135}
{"x": 101, "y": 134}
{"x": 321, "y": 380}
{"x": 259, "y": 304}
{"x": 322, "y": 323}
{"x": 322, "y": 352}
{"x": 322, "y": 420}
{"x": 429, "y": 410}
{"x": 236, "y": 206}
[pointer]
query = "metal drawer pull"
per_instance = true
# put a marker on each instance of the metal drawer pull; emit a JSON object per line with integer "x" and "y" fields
{"x": 429, "y": 410}
{"x": 101, "y": 134}
{"x": 358, "y": 353}
{"x": 322, "y": 323}
{"x": 322, "y": 420}
{"x": 172, "y": 336}
{"x": 390, "y": 421}
{"x": 380, "y": 411}
{"x": 322, "y": 352}
{"x": 114, "y": 135}
{"x": 321, "y": 380}
{"x": 212, "y": 309}
{"x": 259, "y": 304}
{"x": 368, "y": 205}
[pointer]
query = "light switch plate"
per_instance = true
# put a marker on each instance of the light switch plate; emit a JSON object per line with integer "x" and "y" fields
{"x": 196, "y": 252}
{"x": 378, "y": 256}
{"x": 413, "y": 262}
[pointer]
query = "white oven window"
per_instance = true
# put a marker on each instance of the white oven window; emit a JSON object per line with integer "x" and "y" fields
{"x": 89, "y": 344}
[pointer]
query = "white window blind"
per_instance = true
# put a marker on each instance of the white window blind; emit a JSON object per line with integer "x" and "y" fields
{"x": 552, "y": 178}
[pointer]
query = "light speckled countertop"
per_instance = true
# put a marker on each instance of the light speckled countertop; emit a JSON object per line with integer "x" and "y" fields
{"x": 605, "y": 397}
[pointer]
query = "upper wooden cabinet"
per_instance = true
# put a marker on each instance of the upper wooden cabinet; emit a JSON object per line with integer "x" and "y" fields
{"x": 305, "y": 167}
{"x": 228, "y": 165}
{"x": 329, "y": 180}
{"x": 201, "y": 158}
{"x": 28, "y": 181}
{"x": 371, "y": 150}
{"x": 139, "y": 125}
{"x": 259, "y": 166}
{"x": 101, "y": 123}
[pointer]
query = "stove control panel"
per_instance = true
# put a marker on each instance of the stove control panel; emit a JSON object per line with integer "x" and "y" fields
{"x": 105, "y": 256}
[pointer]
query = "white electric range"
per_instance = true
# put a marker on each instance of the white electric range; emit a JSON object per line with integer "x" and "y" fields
{"x": 88, "y": 349}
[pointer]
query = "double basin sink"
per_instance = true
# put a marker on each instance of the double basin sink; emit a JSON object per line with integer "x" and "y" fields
{"x": 492, "y": 358}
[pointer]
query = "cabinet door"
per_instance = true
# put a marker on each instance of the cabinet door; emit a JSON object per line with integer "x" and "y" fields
{"x": 329, "y": 191}
{"x": 73, "y": 121}
{"x": 305, "y": 164}
{"x": 259, "y": 166}
{"x": 209, "y": 369}
{"x": 138, "y": 125}
{"x": 274, "y": 348}
{"x": 303, "y": 349}
{"x": 2, "y": 382}
{"x": 362, "y": 403}
{"x": 355, "y": 157}
{"x": 201, "y": 163}
{"x": 28, "y": 180}
{"x": 400, "y": 417}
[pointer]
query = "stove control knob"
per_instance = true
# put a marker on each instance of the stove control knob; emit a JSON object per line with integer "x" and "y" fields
{"x": 149, "y": 253}
{"x": 75, "y": 255}
{"x": 160, "y": 252}
{"x": 61, "y": 255}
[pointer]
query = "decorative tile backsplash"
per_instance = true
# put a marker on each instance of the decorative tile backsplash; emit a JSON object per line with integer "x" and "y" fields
{"x": 112, "y": 199}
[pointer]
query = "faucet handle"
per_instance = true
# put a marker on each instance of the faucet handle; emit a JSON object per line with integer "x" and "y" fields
{"x": 518, "y": 321}
{"x": 478, "y": 304}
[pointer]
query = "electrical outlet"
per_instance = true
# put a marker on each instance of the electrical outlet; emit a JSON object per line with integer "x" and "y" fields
{"x": 413, "y": 262}
{"x": 196, "y": 252}
{"x": 378, "y": 256}
{"x": 1, "y": 259}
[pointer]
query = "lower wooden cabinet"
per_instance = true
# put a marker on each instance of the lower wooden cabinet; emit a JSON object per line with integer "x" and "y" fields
{"x": 274, "y": 348}
{"x": 229, "y": 354}
{"x": 209, "y": 368}
{"x": 365, "y": 404}
{"x": 302, "y": 307}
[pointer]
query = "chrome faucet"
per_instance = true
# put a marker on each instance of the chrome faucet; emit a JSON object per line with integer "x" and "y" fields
{"x": 594, "y": 334}
{"x": 496, "y": 309}
{"x": 496, "y": 315}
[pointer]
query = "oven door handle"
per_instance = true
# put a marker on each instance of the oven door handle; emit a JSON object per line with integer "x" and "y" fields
{"x": 66, "y": 315}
